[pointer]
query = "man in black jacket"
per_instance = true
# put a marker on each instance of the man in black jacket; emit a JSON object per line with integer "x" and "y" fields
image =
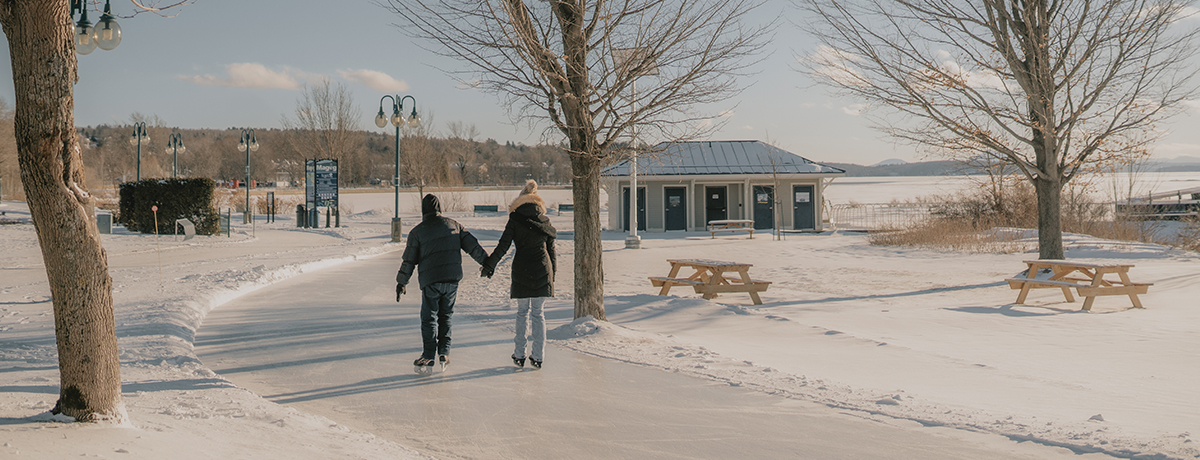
{"x": 434, "y": 245}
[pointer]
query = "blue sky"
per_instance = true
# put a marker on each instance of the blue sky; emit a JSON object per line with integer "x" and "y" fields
{"x": 226, "y": 63}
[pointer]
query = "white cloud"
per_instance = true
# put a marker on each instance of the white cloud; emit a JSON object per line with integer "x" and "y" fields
{"x": 470, "y": 84}
{"x": 375, "y": 80}
{"x": 837, "y": 66}
{"x": 984, "y": 79}
{"x": 854, "y": 109}
{"x": 251, "y": 75}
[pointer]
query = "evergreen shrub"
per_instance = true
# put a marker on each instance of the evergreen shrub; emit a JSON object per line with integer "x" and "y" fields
{"x": 189, "y": 198}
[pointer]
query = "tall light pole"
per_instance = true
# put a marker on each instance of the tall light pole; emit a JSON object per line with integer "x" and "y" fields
{"x": 248, "y": 143}
{"x": 139, "y": 133}
{"x": 397, "y": 119}
{"x": 643, "y": 66}
{"x": 175, "y": 143}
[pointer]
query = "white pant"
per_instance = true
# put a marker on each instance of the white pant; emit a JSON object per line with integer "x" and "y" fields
{"x": 539, "y": 327}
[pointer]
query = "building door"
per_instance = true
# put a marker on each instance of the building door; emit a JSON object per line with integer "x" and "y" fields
{"x": 641, "y": 213}
{"x": 764, "y": 207}
{"x": 676, "y": 204}
{"x": 715, "y": 204}
{"x": 804, "y": 215}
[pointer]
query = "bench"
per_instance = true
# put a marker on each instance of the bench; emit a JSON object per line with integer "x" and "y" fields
{"x": 566, "y": 207}
{"x": 730, "y": 226}
{"x": 487, "y": 209}
{"x": 1086, "y": 278}
{"x": 663, "y": 281}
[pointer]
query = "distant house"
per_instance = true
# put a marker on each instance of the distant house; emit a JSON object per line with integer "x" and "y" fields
{"x": 687, "y": 184}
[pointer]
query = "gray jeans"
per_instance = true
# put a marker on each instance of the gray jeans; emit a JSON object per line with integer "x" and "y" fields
{"x": 530, "y": 310}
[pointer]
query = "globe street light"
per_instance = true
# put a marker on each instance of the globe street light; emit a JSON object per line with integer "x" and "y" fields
{"x": 106, "y": 34}
{"x": 381, "y": 120}
{"x": 139, "y": 133}
{"x": 175, "y": 143}
{"x": 248, "y": 143}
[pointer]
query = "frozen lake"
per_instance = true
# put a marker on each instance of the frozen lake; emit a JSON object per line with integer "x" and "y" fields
{"x": 841, "y": 191}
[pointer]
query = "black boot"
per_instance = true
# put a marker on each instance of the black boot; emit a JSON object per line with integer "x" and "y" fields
{"x": 519, "y": 362}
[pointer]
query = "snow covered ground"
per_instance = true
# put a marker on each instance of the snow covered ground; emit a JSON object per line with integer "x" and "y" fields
{"x": 917, "y": 335}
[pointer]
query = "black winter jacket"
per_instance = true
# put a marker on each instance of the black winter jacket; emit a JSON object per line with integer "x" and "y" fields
{"x": 434, "y": 245}
{"x": 534, "y": 263}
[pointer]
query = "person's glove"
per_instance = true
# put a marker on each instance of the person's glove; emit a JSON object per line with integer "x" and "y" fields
{"x": 400, "y": 290}
{"x": 486, "y": 271}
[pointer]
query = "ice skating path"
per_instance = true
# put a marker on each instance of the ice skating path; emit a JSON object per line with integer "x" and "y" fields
{"x": 333, "y": 343}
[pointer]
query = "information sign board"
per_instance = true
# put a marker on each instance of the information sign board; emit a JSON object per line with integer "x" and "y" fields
{"x": 322, "y": 183}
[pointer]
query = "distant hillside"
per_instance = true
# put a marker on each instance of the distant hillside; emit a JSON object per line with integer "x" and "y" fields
{"x": 954, "y": 168}
{"x": 924, "y": 168}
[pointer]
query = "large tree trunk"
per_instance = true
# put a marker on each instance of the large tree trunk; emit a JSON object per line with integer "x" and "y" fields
{"x": 44, "y": 69}
{"x": 589, "y": 270}
{"x": 1049, "y": 199}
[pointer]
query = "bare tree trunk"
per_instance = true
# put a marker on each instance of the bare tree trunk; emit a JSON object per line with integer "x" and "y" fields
{"x": 44, "y": 70}
{"x": 589, "y": 269}
{"x": 1049, "y": 198}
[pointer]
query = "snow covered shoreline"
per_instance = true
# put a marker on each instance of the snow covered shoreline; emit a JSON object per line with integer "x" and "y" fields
{"x": 178, "y": 407}
{"x": 915, "y": 335}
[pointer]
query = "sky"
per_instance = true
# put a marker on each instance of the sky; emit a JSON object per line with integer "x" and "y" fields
{"x": 234, "y": 63}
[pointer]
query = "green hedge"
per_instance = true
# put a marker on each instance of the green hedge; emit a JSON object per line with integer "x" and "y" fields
{"x": 190, "y": 199}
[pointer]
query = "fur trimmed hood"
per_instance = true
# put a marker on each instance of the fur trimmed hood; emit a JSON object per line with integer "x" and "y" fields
{"x": 526, "y": 199}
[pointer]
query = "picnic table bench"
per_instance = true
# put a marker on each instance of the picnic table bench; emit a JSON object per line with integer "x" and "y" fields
{"x": 1086, "y": 278}
{"x": 731, "y": 225}
{"x": 710, "y": 278}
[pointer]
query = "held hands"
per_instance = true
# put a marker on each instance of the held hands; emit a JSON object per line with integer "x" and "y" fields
{"x": 400, "y": 290}
{"x": 486, "y": 271}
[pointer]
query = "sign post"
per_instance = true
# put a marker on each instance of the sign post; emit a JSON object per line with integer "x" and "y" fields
{"x": 322, "y": 187}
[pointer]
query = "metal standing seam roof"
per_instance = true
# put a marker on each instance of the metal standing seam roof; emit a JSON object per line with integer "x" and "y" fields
{"x": 720, "y": 157}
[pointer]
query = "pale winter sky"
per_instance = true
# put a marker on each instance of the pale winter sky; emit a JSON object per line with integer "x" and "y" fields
{"x": 236, "y": 63}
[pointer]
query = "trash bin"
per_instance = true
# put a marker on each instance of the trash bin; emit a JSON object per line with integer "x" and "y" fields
{"x": 300, "y": 217}
{"x": 104, "y": 222}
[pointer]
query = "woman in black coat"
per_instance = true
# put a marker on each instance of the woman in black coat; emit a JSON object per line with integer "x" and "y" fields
{"x": 533, "y": 268}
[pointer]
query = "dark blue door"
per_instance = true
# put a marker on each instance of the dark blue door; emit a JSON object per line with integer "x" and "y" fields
{"x": 641, "y": 213}
{"x": 764, "y": 207}
{"x": 804, "y": 212}
{"x": 676, "y": 208}
{"x": 715, "y": 205}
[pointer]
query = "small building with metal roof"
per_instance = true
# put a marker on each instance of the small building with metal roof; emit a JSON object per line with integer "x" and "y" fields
{"x": 685, "y": 185}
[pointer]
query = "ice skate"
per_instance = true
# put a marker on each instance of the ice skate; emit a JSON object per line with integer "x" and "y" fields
{"x": 444, "y": 360}
{"x": 423, "y": 366}
{"x": 536, "y": 364}
{"x": 519, "y": 362}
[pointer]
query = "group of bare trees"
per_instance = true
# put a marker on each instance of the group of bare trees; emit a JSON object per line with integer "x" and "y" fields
{"x": 428, "y": 159}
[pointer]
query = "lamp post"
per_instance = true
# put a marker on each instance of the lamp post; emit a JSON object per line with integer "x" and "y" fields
{"x": 139, "y": 133}
{"x": 397, "y": 120}
{"x": 643, "y": 65}
{"x": 175, "y": 143}
{"x": 248, "y": 143}
{"x": 106, "y": 34}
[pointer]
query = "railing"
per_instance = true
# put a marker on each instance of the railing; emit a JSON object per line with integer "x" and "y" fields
{"x": 878, "y": 216}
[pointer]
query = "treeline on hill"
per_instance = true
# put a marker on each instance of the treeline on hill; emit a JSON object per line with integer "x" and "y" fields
{"x": 111, "y": 158}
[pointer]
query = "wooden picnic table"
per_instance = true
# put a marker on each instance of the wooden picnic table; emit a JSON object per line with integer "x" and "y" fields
{"x": 731, "y": 225}
{"x": 1086, "y": 278}
{"x": 710, "y": 278}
